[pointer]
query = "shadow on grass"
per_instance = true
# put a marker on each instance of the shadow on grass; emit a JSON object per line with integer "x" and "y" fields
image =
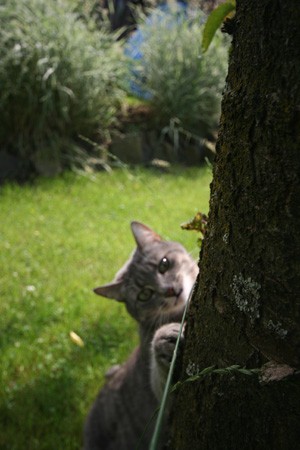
{"x": 43, "y": 415}
{"x": 48, "y": 412}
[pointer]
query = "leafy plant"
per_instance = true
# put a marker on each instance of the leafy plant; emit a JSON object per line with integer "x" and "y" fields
{"x": 198, "y": 224}
{"x": 183, "y": 84}
{"x": 59, "y": 79}
{"x": 199, "y": 374}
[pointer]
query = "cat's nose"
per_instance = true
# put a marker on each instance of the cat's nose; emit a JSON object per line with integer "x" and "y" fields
{"x": 170, "y": 292}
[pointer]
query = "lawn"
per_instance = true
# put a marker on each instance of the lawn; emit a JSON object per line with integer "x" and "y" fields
{"x": 60, "y": 238}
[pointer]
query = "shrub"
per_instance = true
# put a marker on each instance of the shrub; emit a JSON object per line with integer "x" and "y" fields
{"x": 184, "y": 85}
{"x": 59, "y": 79}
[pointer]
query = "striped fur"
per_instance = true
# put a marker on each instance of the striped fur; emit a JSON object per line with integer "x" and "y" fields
{"x": 154, "y": 284}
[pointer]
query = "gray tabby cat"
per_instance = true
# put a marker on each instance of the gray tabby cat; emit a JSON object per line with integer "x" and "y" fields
{"x": 154, "y": 284}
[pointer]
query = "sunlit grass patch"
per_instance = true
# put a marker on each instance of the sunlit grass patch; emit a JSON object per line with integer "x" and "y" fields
{"x": 59, "y": 239}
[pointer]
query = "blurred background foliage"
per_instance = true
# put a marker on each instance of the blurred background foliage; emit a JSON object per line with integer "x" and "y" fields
{"x": 66, "y": 81}
{"x": 59, "y": 77}
{"x": 180, "y": 82}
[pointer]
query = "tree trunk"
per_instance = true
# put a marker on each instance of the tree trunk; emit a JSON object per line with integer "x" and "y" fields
{"x": 246, "y": 307}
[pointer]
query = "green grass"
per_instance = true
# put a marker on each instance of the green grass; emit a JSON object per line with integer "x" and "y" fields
{"x": 59, "y": 239}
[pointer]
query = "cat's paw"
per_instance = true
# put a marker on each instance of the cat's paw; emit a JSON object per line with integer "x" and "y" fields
{"x": 112, "y": 371}
{"x": 162, "y": 349}
{"x": 163, "y": 343}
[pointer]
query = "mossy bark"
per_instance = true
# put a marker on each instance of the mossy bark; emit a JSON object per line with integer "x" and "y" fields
{"x": 246, "y": 308}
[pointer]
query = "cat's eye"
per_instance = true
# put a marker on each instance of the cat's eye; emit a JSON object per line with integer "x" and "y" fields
{"x": 163, "y": 265}
{"x": 145, "y": 294}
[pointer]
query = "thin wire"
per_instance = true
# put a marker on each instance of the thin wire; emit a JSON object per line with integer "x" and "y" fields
{"x": 158, "y": 425}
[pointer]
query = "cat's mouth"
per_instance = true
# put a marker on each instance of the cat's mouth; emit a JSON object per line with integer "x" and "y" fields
{"x": 173, "y": 293}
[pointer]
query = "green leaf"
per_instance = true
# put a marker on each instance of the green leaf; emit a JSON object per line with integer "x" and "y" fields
{"x": 234, "y": 367}
{"x": 207, "y": 370}
{"x": 214, "y": 21}
{"x": 245, "y": 372}
{"x": 249, "y": 371}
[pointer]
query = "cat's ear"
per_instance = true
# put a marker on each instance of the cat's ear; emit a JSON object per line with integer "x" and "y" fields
{"x": 111, "y": 290}
{"x": 143, "y": 235}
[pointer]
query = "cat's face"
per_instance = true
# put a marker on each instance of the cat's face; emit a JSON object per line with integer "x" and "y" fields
{"x": 156, "y": 281}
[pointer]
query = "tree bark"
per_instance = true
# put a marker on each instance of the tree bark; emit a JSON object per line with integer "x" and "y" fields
{"x": 246, "y": 307}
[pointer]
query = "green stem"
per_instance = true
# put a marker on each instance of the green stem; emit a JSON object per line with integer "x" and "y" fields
{"x": 158, "y": 425}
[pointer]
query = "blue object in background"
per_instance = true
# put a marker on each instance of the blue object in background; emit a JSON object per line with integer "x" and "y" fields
{"x": 135, "y": 41}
